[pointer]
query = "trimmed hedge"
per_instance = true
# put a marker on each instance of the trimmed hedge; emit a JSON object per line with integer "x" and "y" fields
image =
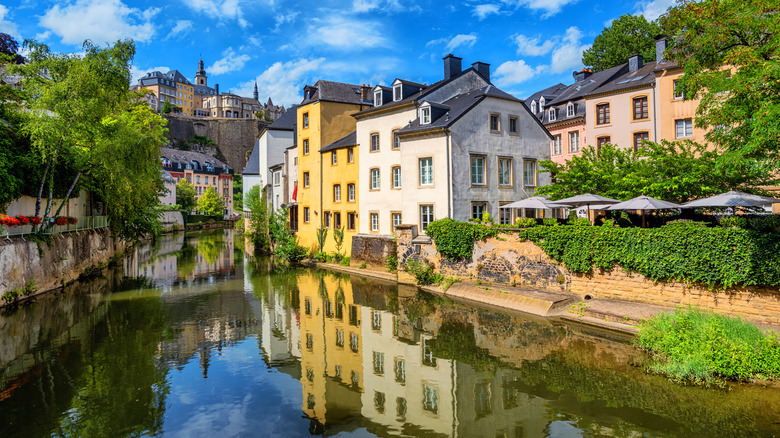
{"x": 456, "y": 239}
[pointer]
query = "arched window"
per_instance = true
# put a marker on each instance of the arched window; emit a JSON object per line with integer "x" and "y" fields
{"x": 533, "y": 106}
{"x": 541, "y": 103}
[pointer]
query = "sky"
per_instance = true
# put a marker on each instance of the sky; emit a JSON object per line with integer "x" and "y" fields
{"x": 285, "y": 45}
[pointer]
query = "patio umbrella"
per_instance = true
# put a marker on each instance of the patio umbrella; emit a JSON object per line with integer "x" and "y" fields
{"x": 643, "y": 203}
{"x": 535, "y": 202}
{"x": 733, "y": 198}
{"x": 588, "y": 199}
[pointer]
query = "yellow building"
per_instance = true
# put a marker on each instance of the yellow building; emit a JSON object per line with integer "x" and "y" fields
{"x": 173, "y": 87}
{"x": 327, "y": 162}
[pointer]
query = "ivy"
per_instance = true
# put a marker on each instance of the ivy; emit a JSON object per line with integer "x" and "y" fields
{"x": 455, "y": 240}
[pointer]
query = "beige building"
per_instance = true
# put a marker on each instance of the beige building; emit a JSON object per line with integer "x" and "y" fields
{"x": 203, "y": 171}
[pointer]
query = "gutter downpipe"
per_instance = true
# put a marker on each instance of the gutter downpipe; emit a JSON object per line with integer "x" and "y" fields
{"x": 655, "y": 110}
{"x": 449, "y": 174}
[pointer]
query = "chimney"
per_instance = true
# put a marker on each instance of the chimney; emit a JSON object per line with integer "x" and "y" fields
{"x": 660, "y": 47}
{"x": 216, "y": 89}
{"x": 452, "y": 65}
{"x": 634, "y": 62}
{"x": 365, "y": 92}
{"x": 483, "y": 69}
{"x": 582, "y": 74}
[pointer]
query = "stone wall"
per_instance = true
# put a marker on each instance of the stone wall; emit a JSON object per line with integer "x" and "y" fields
{"x": 172, "y": 221}
{"x": 505, "y": 260}
{"x": 235, "y": 138}
{"x": 372, "y": 250}
{"x": 69, "y": 255}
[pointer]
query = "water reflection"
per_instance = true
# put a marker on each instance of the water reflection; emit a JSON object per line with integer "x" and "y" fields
{"x": 188, "y": 339}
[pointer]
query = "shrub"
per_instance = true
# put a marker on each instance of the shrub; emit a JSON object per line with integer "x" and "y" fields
{"x": 735, "y": 221}
{"x": 345, "y": 261}
{"x": 363, "y": 265}
{"x": 524, "y": 222}
{"x": 391, "y": 263}
{"x": 550, "y": 222}
{"x": 422, "y": 272}
{"x": 454, "y": 239}
{"x": 702, "y": 347}
{"x": 320, "y": 257}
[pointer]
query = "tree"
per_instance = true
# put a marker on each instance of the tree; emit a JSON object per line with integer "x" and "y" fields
{"x": 167, "y": 107}
{"x": 255, "y": 201}
{"x": 730, "y": 52}
{"x": 626, "y": 36}
{"x": 210, "y": 203}
{"x": 185, "y": 195}
{"x": 9, "y": 47}
{"x": 238, "y": 192}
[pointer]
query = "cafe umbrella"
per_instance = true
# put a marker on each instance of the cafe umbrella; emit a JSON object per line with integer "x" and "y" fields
{"x": 597, "y": 201}
{"x": 644, "y": 203}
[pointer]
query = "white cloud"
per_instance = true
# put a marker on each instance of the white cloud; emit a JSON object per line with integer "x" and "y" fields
{"x": 345, "y": 34}
{"x": 515, "y": 72}
{"x": 568, "y": 54}
{"x": 99, "y": 20}
{"x": 182, "y": 27}
{"x": 231, "y": 61}
{"x": 223, "y": 10}
{"x": 364, "y": 5}
{"x": 533, "y": 46}
{"x": 283, "y": 82}
{"x": 452, "y": 43}
{"x": 281, "y": 19}
{"x": 653, "y": 9}
{"x": 549, "y": 7}
{"x": 7, "y": 26}
{"x": 482, "y": 11}
{"x": 388, "y": 6}
{"x": 137, "y": 73}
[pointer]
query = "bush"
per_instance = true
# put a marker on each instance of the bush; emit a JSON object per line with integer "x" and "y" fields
{"x": 422, "y": 272}
{"x": 345, "y": 261}
{"x": 320, "y": 257}
{"x": 456, "y": 239}
{"x": 525, "y": 222}
{"x": 735, "y": 221}
{"x": 550, "y": 222}
{"x": 391, "y": 263}
{"x": 702, "y": 347}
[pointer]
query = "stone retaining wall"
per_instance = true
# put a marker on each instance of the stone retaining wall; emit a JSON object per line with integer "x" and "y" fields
{"x": 506, "y": 260}
{"x": 371, "y": 250}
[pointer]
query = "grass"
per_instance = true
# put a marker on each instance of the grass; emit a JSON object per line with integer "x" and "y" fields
{"x": 701, "y": 347}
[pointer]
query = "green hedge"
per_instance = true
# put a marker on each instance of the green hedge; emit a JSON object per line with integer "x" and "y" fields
{"x": 456, "y": 239}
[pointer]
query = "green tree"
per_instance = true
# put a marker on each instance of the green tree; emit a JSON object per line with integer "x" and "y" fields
{"x": 730, "y": 51}
{"x": 166, "y": 107}
{"x": 238, "y": 192}
{"x": 626, "y": 36}
{"x": 210, "y": 203}
{"x": 255, "y": 200}
{"x": 185, "y": 195}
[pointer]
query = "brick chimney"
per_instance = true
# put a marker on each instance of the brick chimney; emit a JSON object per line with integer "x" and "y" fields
{"x": 452, "y": 66}
{"x": 365, "y": 92}
{"x": 483, "y": 69}
{"x": 635, "y": 62}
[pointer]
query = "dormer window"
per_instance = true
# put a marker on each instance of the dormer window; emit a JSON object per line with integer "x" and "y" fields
{"x": 533, "y": 106}
{"x": 541, "y": 104}
{"x": 397, "y": 95}
{"x": 378, "y": 98}
{"x": 551, "y": 115}
{"x": 425, "y": 116}
{"x": 570, "y": 110}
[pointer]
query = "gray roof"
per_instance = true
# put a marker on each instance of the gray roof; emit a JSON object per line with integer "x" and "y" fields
{"x": 336, "y": 92}
{"x": 548, "y": 92}
{"x": 286, "y": 122}
{"x": 624, "y": 79}
{"x": 346, "y": 141}
{"x": 179, "y": 156}
{"x": 253, "y": 164}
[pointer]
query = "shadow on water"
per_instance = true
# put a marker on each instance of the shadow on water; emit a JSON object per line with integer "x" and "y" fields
{"x": 190, "y": 337}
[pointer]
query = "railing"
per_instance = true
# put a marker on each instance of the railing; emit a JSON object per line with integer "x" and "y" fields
{"x": 83, "y": 223}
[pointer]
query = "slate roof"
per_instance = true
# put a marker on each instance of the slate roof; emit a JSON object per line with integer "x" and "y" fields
{"x": 627, "y": 79}
{"x": 336, "y": 92}
{"x": 346, "y": 141}
{"x": 187, "y": 157}
{"x": 253, "y": 164}
{"x": 286, "y": 122}
{"x": 549, "y": 92}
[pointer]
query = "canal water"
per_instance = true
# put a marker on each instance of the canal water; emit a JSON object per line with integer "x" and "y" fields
{"x": 190, "y": 337}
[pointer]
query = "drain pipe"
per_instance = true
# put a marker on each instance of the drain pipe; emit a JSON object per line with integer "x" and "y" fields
{"x": 655, "y": 111}
{"x": 448, "y": 136}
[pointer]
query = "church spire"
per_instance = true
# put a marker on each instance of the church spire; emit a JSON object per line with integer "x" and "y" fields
{"x": 200, "y": 75}
{"x": 255, "y": 94}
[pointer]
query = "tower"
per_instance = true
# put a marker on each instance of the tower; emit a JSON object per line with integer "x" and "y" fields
{"x": 200, "y": 75}
{"x": 254, "y": 94}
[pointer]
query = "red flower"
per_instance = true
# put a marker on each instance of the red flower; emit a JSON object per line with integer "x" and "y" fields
{"x": 73, "y": 220}
{"x": 24, "y": 220}
{"x": 35, "y": 220}
{"x": 62, "y": 220}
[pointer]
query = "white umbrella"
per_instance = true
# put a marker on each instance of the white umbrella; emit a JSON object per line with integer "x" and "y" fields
{"x": 588, "y": 199}
{"x": 643, "y": 203}
{"x": 733, "y": 198}
{"x": 535, "y": 202}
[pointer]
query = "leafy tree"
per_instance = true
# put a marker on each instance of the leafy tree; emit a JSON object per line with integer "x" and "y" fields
{"x": 285, "y": 244}
{"x": 210, "y": 203}
{"x": 9, "y": 47}
{"x": 238, "y": 192}
{"x": 185, "y": 195}
{"x": 626, "y": 36}
{"x": 742, "y": 99}
{"x": 167, "y": 107}
{"x": 255, "y": 200}
{"x": 338, "y": 239}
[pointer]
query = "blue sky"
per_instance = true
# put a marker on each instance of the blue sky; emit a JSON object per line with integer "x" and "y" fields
{"x": 284, "y": 45}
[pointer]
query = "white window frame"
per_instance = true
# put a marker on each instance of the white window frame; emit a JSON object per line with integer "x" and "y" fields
{"x": 551, "y": 115}
{"x": 337, "y": 193}
{"x": 570, "y": 110}
{"x": 426, "y": 211}
{"x": 425, "y": 115}
{"x": 375, "y": 180}
{"x": 374, "y": 221}
{"x": 574, "y": 141}
{"x": 377, "y": 97}
{"x": 374, "y": 142}
{"x": 687, "y": 126}
{"x": 505, "y": 169}
{"x": 396, "y": 176}
{"x": 529, "y": 180}
{"x": 477, "y": 170}
{"x": 557, "y": 146}
{"x": 533, "y": 106}
{"x": 425, "y": 172}
{"x": 397, "y": 92}
{"x": 396, "y": 223}
{"x": 334, "y": 158}
{"x": 350, "y": 155}
{"x": 541, "y": 104}
{"x": 351, "y": 192}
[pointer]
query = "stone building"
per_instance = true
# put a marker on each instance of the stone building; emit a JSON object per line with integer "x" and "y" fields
{"x": 204, "y": 172}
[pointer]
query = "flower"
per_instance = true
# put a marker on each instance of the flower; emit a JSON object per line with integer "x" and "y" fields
{"x": 35, "y": 220}
{"x": 62, "y": 220}
{"x": 73, "y": 220}
{"x": 24, "y": 220}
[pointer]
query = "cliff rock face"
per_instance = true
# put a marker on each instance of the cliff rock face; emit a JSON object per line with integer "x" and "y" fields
{"x": 235, "y": 138}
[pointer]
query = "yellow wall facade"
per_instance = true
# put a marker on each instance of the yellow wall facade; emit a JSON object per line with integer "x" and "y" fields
{"x": 671, "y": 108}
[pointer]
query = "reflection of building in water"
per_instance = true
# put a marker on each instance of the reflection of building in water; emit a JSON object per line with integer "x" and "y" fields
{"x": 331, "y": 348}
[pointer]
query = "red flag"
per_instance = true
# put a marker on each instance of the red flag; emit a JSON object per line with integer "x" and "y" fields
{"x": 295, "y": 193}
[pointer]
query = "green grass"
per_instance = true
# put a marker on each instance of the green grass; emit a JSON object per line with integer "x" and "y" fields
{"x": 702, "y": 347}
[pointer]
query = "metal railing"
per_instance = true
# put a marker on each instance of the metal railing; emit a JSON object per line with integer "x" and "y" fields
{"x": 83, "y": 223}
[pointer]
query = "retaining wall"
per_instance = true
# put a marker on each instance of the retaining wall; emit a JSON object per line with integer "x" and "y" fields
{"x": 372, "y": 250}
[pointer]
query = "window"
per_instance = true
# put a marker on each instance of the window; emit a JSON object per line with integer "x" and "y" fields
{"x": 640, "y": 108}
{"x": 197, "y": 179}
{"x": 400, "y": 371}
{"x": 426, "y": 171}
{"x": 305, "y": 119}
{"x": 351, "y": 155}
{"x": 305, "y": 179}
{"x": 513, "y": 124}
{"x": 541, "y": 103}
{"x": 430, "y": 399}
{"x": 601, "y": 141}
{"x": 477, "y": 171}
{"x": 326, "y": 219}
{"x": 602, "y": 114}
{"x": 378, "y": 98}
{"x": 397, "y": 92}
{"x": 478, "y": 209}
{"x": 557, "y": 145}
{"x": 495, "y": 123}
{"x": 277, "y": 178}
{"x": 340, "y": 339}
{"x": 307, "y": 306}
{"x": 379, "y": 401}
{"x": 570, "y": 110}
{"x": 425, "y": 116}
{"x": 336, "y": 222}
{"x": 551, "y": 115}
{"x": 334, "y": 160}
{"x": 396, "y": 218}
{"x": 375, "y": 142}
{"x": 374, "y": 179}
{"x": 379, "y": 363}
{"x": 639, "y": 138}
{"x": 376, "y": 321}
{"x": 353, "y": 345}
{"x": 351, "y": 192}
{"x": 306, "y": 146}
{"x": 504, "y": 172}
{"x": 426, "y": 216}
{"x": 505, "y": 215}
{"x": 337, "y": 193}
{"x": 351, "y": 221}
{"x": 574, "y": 141}
{"x": 396, "y": 140}
{"x": 396, "y": 177}
{"x": 683, "y": 128}
{"x": 529, "y": 173}
{"x": 533, "y": 107}
{"x": 374, "y": 218}
{"x": 677, "y": 90}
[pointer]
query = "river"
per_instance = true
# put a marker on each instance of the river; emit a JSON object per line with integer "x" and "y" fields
{"x": 191, "y": 337}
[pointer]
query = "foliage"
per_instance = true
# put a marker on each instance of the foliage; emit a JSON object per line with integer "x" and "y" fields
{"x": 166, "y": 107}
{"x": 285, "y": 244}
{"x": 744, "y": 98}
{"x": 683, "y": 251}
{"x": 422, "y": 272}
{"x": 702, "y": 347}
{"x": 320, "y": 257}
{"x": 210, "y": 203}
{"x": 391, "y": 263}
{"x": 202, "y": 140}
{"x": 524, "y": 222}
{"x": 673, "y": 171}
{"x": 322, "y": 234}
{"x": 626, "y": 36}
{"x": 238, "y": 192}
{"x": 255, "y": 201}
{"x": 345, "y": 261}
{"x": 10, "y": 47}
{"x": 338, "y": 238}
{"x": 455, "y": 239}
{"x": 550, "y": 222}
{"x": 456, "y": 341}
{"x": 755, "y": 222}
